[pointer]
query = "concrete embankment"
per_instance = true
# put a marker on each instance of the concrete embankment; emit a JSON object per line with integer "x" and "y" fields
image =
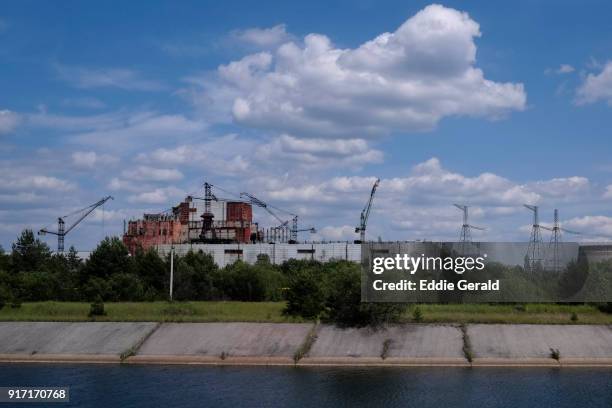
{"x": 227, "y": 343}
{"x": 307, "y": 344}
{"x": 58, "y": 341}
{"x": 529, "y": 344}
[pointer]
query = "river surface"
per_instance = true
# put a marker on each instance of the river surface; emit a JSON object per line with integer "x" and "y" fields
{"x": 106, "y": 385}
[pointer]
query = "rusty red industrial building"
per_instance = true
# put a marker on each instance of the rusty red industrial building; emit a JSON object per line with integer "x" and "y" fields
{"x": 230, "y": 222}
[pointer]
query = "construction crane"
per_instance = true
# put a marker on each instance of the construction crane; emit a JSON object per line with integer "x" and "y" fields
{"x": 365, "y": 213}
{"x": 62, "y": 231}
{"x": 294, "y": 230}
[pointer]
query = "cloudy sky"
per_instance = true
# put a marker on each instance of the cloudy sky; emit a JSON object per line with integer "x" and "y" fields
{"x": 305, "y": 105}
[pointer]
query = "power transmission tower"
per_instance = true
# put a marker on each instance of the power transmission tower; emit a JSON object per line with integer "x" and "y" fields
{"x": 534, "y": 250}
{"x": 555, "y": 240}
{"x": 207, "y": 216}
{"x": 465, "y": 236}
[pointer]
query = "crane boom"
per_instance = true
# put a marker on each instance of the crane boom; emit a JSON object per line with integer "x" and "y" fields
{"x": 256, "y": 201}
{"x": 365, "y": 213}
{"x": 283, "y": 223}
{"x": 62, "y": 231}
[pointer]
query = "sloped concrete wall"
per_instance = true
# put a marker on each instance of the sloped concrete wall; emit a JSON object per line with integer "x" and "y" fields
{"x": 401, "y": 344}
{"x": 494, "y": 344}
{"x": 269, "y": 343}
{"x": 58, "y": 340}
{"x": 225, "y": 342}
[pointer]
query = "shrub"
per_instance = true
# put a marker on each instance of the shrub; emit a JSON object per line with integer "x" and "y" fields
{"x": 96, "y": 288}
{"x": 605, "y": 307}
{"x": 344, "y": 306}
{"x": 124, "y": 287}
{"x": 97, "y": 308}
{"x": 37, "y": 286}
{"x": 385, "y": 348}
{"x": 246, "y": 282}
{"x": 417, "y": 315}
{"x": 306, "y": 294}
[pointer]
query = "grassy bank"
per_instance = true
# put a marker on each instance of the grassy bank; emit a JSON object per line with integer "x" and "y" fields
{"x": 529, "y": 313}
{"x": 150, "y": 311}
{"x": 272, "y": 312}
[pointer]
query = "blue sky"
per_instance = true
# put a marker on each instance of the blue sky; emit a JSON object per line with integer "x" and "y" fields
{"x": 488, "y": 104}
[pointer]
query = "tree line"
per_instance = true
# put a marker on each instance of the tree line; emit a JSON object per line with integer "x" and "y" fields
{"x": 327, "y": 291}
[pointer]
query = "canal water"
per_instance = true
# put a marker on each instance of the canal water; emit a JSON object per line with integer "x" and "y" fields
{"x": 138, "y": 386}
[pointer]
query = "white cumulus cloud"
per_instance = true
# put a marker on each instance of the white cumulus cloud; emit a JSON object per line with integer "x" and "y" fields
{"x": 91, "y": 159}
{"x": 123, "y": 78}
{"x": 262, "y": 37}
{"x": 167, "y": 196}
{"x": 400, "y": 81}
{"x": 8, "y": 121}
{"x": 596, "y": 87}
{"x": 147, "y": 173}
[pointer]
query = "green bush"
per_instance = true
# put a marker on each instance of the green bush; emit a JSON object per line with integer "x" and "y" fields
{"x": 605, "y": 307}
{"x": 95, "y": 288}
{"x": 124, "y": 287}
{"x": 36, "y": 286}
{"x": 97, "y": 308}
{"x": 417, "y": 314}
{"x": 306, "y": 292}
{"x": 332, "y": 292}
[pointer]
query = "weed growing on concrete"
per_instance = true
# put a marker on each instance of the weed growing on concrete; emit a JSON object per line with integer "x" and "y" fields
{"x": 134, "y": 349}
{"x": 385, "y": 348}
{"x": 467, "y": 345}
{"x": 555, "y": 354}
{"x": 310, "y": 339}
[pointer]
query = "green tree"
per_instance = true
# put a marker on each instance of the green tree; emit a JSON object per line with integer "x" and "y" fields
{"x": 153, "y": 273}
{"x": 110, "y": 257}
{"x": 344, "y": 306}
{"x": 204, "y": 275}
{"x": 37, "y": 286}
{"x": 29, "y": 253}
{"x": 184, "y": 278}
{"x": 5, "y": 260}
{"x": 306, "y": 290}
{"x": 6, "y": 287}
{"x": 242, "y": 282}
{"x": 74, "y": 262}
{"x": 573, "y": 278}
{"x": 124, "y": 287}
